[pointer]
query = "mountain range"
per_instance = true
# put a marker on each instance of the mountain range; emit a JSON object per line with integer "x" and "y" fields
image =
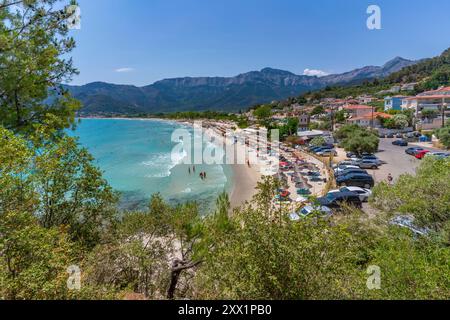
{"x": 217, "y": 93}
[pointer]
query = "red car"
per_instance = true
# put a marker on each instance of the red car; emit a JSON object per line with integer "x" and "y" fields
{"x": 421, "y": 154}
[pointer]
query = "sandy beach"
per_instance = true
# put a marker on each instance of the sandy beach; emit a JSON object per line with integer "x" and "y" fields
{"x": 245, "y": 178}
{"x": 245, "y": 181}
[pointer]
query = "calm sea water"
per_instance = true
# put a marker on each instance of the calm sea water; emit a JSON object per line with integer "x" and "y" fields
{"x": 135, "y": 156}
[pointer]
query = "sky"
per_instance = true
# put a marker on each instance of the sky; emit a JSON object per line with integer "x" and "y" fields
{"x": 139, "y": 42}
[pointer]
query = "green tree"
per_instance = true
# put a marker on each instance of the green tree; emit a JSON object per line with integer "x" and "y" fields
{"x": 34, "y": 44}
{"x": 401, "y": 121}
{"x": 263, "y": 113}
{"x": 261, "y": 258}
{"x": 443, "y": 135}
{"x": 425, "y": 195}
{"x": 33, "y": 259}
{"x": 340, "y": 116}
{"x": 429, "y": 114}
{"x": 319, "y": 141}
{"x": 410, "y": 268}
{"x": 318, "y": 110}
{"x": 362, "y": 143}
{"x": 357, "y": 139}
{"x": 152, "y": 253}
{"x": 58, "y": 183}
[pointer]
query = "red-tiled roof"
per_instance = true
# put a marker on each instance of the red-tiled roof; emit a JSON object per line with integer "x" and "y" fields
{"x": 440, "y": 96}
{"x": 375, "y": 115}
{"x": 357, "y": 107}
{"x": 444, "y": 89}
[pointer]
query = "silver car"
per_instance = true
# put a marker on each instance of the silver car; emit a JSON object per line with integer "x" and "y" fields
{"x": 368, "y": 164}
{"x": 327, "y": 153}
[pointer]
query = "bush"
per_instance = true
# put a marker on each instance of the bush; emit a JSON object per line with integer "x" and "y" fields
{"x": 357, "y": 139}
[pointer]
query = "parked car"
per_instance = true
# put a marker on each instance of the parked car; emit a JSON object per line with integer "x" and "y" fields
{"x": 337, "y": 199}
{"x": 368, "y": 164}
{"x": 399, "y": 136}
{"x": 438, "y": 155}
{"x": 327, "y": 153}
{"x": 342, "y": 168}
{"x": 351, "y": 171}
{"x": 390, "y": 136}
{"x": 308, "y": 210}
{"x": 320, "y": 149}
{"x": 364, "y": 194}
{"x": 408, "y": 222}
{"x": 421, "y": 154}
{"x": 413, "y": 151}
{"x": 345, "y": 163}
{"x": 372, "y": 158}
{"x": 400, "y": 143}
{"x": 315, "y": 149}
{"x": 356, "y": 180}
{"x": 354, "y": 155}
{"x": 412, "y": 135}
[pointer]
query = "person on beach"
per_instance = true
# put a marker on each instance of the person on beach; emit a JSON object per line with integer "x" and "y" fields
{"x": 193, "y": 168}
{"x": 204, "y": 175}
{"x": 201, "y": 175}
{"x": 189, "y": 170}
{"x": 390, "y": 178}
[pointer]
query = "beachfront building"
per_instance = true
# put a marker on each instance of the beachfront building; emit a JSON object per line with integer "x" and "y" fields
{"x": 409, "y": 86}
{"x": 356, "y": 111}
{"x": 437, "y": 101}
{"x": 310, "y": 134}
{"x": 304, "y": 121}
{"x": 393, "y": 103}
{"x": 369, "y": 119}
{"x": 364, "y": 99}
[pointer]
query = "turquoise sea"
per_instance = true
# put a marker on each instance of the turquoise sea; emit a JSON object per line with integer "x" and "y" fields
{"x": 135, "y": 156}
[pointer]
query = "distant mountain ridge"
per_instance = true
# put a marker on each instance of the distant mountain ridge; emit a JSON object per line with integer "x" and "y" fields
{"x": 217, "y": 93}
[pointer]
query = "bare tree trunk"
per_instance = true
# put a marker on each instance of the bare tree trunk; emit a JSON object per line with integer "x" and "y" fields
{"x": 178, "y": 267}
{"x": 174, "y": 277}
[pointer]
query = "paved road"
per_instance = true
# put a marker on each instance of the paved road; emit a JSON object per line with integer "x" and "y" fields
{"x": 397, "y": 161}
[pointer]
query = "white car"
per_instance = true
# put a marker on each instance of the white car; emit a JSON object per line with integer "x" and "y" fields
{"x": 342, "y": 168}
{"x": 408, "y": 222}
{"x": 307, "y": 210}
{"x": 438, "y": 155}
{"x": 344, "y": 163}
{"x": 327, "y": 153}
{"x": 364, "y": 194}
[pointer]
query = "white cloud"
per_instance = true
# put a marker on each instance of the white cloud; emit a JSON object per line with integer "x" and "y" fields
{"x": 122, "y": 70}
{"x": 314, "y": 72}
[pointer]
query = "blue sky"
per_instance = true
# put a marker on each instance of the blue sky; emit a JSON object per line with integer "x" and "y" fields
{"x": 141, "y": 41}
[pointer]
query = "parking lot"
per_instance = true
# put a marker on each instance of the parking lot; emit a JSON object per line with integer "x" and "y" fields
{"x": 397, "y": 162}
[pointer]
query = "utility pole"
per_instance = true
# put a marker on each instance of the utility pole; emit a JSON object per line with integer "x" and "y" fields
{"x": 332, "y": 119}
{"x": 373, "y": 120}
{"x": 444, "y": 108}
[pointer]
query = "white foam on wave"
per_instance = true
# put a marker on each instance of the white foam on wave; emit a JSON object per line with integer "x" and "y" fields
{"x": 163, "y": 163}
{"x": 187, "y": 190}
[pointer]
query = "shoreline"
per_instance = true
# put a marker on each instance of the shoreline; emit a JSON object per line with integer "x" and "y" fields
{"x": 244, "y": 179}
